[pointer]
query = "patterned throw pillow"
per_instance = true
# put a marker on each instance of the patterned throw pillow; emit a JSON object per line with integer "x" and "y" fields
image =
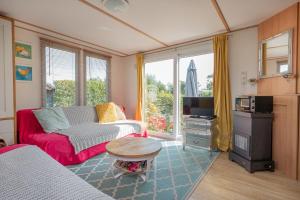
{"x": 107, "y": 112}
{"x": 120, "y": 113}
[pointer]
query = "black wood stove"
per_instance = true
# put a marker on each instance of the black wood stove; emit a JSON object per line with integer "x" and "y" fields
{"x": 252, "y": 141}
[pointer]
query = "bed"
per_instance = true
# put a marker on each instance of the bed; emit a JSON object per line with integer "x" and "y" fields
{"x": 28, "y": 173}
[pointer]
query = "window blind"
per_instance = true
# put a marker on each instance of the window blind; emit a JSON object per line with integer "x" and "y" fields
{"x": 60, "y": 79}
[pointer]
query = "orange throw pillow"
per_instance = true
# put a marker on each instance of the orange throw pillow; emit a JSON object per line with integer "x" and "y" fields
{"x": 107, "y": 112}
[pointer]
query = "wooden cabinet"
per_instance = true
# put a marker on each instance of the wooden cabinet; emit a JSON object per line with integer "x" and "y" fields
{"x": 7, "y": 82}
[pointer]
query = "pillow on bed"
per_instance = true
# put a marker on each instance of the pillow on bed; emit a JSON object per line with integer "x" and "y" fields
{"x": 107, "y": 112}
{"x": 52, "y": 119}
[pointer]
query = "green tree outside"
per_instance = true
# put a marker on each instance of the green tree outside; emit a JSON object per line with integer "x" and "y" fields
{"x": 65, "y": 94}
{"x": 96, "y": 92}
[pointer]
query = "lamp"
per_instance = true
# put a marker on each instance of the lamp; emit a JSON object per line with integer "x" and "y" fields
{"x": 115, "y": 5}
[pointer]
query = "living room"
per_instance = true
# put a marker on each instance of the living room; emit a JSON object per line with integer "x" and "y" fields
{"x": 132, "y": 102}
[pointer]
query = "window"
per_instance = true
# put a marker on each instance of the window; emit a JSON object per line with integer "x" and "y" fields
{"x": 282, "y": 66}
{"x": 204, "y": 66}
{"x": 60, "y": 75}
{"x": 73, "y": 77}
{"x": 96, "y": 79}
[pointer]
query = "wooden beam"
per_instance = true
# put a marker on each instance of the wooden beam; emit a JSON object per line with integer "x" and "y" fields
{"x": 220, "y": 14}
{"x": 122, "y": 22}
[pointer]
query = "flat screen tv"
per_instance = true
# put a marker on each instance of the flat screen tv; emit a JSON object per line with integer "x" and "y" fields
{"x": 198, "y": 106}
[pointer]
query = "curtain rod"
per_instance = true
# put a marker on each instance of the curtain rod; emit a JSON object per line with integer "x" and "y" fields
{"x": 199, "y": 41}
{"x": 196, "y": 41}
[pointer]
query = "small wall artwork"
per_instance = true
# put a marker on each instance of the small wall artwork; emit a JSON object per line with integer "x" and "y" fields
{"x": 23, "y": 73}
{"x": 23, "y": 50}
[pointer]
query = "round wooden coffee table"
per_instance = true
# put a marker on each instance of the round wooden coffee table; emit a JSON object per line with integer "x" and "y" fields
{"x": 133, "y": 149}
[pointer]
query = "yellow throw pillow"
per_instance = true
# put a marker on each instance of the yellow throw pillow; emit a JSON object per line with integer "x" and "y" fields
{"x": 106, "y": 112}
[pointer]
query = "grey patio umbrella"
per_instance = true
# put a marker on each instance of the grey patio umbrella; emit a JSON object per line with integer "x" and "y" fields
{"x": 191, "y": 89}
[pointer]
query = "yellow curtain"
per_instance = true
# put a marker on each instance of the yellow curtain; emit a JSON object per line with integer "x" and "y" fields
{"x": 139, "y": 66}
{"x": 222, "y": 93}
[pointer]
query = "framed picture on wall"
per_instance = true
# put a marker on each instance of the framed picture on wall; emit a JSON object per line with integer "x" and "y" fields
{"x": 23, "y": 50}
{"x": 23, "y": 73}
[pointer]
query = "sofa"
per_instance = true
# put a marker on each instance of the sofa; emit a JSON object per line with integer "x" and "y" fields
{"x": 58, "y": 145}
{"x": 28, "y": 173}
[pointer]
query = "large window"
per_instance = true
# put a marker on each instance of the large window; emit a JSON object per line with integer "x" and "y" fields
{"x": 170, "y": 76}
{"x": 204, "y": 66}
{"x": 66, "y": 82}
{"x": 96, "y": 79}
{"x": 60, "y": 80}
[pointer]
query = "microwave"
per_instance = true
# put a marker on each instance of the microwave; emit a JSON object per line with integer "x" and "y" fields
{"x": 254, "y": 104}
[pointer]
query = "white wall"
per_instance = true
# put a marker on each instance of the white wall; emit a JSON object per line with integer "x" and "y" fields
{"x": 130, "y": 86}
{"x": 117, "y": 80}
{"x": 243, "y": 59}
{"x": 28, "y": 93}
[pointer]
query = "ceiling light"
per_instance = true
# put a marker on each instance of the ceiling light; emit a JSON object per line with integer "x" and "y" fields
{"x": 115, "y": 5}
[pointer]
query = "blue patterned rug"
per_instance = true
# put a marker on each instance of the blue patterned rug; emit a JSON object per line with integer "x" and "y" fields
{"x": 174, "y": 175}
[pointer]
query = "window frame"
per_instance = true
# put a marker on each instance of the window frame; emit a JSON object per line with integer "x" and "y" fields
{"x": 279, "y": 64}
{"x": 64, "y": 47}
{"x": 108, "y": 74}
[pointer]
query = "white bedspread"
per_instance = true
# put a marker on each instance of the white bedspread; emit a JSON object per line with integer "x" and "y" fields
{"x": 85, "y": 135}
{"x": 28, "y": 173}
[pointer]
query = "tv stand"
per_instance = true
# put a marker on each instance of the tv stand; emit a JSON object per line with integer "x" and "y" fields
{"x": 198, "y": 132}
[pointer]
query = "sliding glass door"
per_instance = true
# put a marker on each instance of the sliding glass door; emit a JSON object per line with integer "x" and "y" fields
{"x": 159, "y": 96}
{"x": 167, "y": 82}
{"x": 203, "y": 67}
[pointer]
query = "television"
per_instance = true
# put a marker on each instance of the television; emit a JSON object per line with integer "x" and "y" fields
{"x": 198, "y": 106}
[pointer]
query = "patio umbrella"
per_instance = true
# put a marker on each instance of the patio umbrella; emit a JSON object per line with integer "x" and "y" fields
{"x": 191, "y": 89}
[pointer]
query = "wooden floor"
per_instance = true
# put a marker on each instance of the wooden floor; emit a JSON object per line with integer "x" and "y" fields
{"x": 227, "y": 180}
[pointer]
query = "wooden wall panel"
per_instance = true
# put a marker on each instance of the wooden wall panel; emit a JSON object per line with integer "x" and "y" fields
{"x": 298, "y": 173}
{"x": 285, "y": 134}
{"x": 283, "y": 21}
{"x": 276, "y": 86}
{"x": 286, "y": 149}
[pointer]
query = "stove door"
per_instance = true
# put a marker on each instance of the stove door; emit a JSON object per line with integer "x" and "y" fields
{"x": 242, "y": 144}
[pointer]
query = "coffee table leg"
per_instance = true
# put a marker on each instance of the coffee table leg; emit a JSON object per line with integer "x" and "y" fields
{"x": 148, "y": 168}
{"x": 118, "y": 174}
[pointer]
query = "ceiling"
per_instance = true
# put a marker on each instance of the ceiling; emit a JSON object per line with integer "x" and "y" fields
{"x": 145, "y": 25}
